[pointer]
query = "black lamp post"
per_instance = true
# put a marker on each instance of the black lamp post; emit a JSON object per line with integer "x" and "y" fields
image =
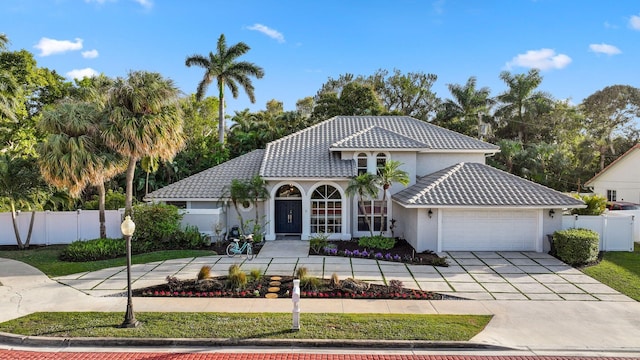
{"x": 128, "y": 227}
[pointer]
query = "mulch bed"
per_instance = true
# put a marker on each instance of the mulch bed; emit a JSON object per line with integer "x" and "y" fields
{"x": 218, "y": 287}
{"x": 401, "y": 252}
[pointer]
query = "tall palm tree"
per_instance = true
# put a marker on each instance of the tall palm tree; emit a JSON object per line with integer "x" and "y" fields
{"x": 144, "y": 119}
{"x": 520, "y": 104}
{"x": 21, "y": 187}
{"x": 223, "y": 67}
{"x": 74, "y": 155}
{"x": 387, "y": 175}
{"x": 462, "y": 112}
{"x": 364, "y": 185}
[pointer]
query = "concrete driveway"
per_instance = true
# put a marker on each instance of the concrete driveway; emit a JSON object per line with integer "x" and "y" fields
{"x": 471, "y": 275}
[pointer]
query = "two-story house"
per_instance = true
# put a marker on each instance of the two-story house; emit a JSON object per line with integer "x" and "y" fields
{"x": 454, "y": 200}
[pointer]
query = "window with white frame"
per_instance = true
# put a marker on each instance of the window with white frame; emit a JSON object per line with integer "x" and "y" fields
{"x": 611, "y": 195}
{"x": 362, "y": 163}
{"x": 381, "y": 160}
{"x": 326, "y": 210}
{"x": 372, "y": 210}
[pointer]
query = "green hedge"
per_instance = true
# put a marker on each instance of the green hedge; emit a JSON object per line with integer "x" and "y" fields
{"x": 576, "y": 246}
{"x": 91, "y": 250}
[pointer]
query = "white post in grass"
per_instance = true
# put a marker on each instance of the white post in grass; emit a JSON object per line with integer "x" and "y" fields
{"x": 295, "y": 296}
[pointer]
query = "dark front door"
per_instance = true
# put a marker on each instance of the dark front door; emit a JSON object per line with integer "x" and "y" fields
{"x": 289, "y": 216}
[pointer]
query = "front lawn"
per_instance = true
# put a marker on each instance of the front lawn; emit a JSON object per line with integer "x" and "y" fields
{"x": 619, "y": 270}
{"x": 46, "y": 259}
{"x": 252, "y": 326}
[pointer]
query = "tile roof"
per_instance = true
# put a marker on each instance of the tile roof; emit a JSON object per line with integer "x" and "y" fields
{"x": 475, "y": 184}
{"x": 306, "y": 154}
{"x": 376, "y": 137}
{"x": 210, "y": 183}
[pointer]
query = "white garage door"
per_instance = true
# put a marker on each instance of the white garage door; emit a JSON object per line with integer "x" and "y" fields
{"x": 489, "y": 230}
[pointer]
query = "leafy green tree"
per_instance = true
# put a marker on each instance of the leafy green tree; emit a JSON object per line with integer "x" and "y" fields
{"x": 364, "y": 185}
{"x": 608, "y": 112}
{"x": 389, "y": 174}
{"x": 305, "y": 106}
{"x": 223, "y": 67}
{"x": 521, "y": 105}
{"x": 144, "y": 119}
{"x": 74, "y": 155}
{"x": 275, "y": 107}
{"x": 406, "y": 94}
{"x": 465, "y": 111}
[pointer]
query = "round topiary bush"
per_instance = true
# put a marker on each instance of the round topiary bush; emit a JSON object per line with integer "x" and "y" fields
{"x": 576, "y": 246}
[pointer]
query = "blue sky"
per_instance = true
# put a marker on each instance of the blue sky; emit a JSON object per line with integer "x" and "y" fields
{"x": 580, "y": 46}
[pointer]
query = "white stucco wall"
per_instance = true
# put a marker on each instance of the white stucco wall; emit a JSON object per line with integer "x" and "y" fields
{"x": 428, "y": 163}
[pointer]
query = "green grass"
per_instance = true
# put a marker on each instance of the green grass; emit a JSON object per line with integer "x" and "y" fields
{"x": 619, "y": 270}
{"x": 46, "y": 259}
{"x": 252, "y": 326}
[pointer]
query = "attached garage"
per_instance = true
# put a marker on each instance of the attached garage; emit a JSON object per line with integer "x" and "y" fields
{"x": 490, "y": 230}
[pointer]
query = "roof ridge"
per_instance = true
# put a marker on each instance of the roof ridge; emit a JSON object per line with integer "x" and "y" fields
{"x": 452, "y": 170}
{"x": 356, "y": 134}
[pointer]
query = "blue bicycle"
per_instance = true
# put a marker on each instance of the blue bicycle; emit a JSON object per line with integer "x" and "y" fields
{"x": 234, "y": 248}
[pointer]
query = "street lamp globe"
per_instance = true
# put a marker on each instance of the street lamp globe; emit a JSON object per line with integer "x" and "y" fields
{"x": 128, "y": 226}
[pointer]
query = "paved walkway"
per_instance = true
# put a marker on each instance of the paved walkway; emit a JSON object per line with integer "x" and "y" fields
{"x": 471, "y": 275}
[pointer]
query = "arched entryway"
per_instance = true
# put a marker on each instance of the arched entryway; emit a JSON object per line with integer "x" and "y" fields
{"x": 288, "y": 210}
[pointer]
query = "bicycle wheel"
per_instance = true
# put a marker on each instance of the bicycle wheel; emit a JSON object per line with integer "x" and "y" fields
{"x": 230, "y": 250}
{"x": 249, "y": 252}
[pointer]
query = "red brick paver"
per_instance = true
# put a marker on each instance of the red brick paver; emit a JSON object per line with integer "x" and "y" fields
{"x": 33, "y": 355}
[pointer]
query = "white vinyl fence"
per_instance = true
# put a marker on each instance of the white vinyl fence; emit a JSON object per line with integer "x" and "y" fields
{"x": 617, "y": 229}
{"x": 65, "y": 227}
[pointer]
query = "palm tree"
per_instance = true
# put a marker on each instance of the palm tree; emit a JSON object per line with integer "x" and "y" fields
{"x": 240, "y": 193}
{"x": 364, "y": 185}
{"x": 4, "y": 40}
{"x": 387, "y": 175}
{"x": 74, "y": 155}
{"x": 222, "y": 67}
{"x": 21, "y": 187}
{"x": 144, "y": 119}
{"x": 520, "y": 104}
{"x": 462, "y": 113}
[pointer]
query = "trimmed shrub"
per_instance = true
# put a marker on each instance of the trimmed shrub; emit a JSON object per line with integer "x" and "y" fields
{"x": 157, "y": 228}
{"x": 377, "y": 242}
{"x": 92, "y": 250}
{"x": 576, "y": 246}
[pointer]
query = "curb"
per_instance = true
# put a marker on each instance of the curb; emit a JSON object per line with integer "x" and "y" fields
{"x": 45, "y": 341}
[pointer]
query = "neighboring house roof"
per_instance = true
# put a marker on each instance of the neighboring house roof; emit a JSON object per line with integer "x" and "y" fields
{"x": 306, "y": 154}
{"x": 614, "y": 163}
{"x": 475, "y": 184}
{"x": 210, "y": 184}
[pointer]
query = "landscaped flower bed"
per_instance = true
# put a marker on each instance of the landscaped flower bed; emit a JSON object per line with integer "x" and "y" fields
{"x": 322, "y": 289}
{"x": 401, "y": 252}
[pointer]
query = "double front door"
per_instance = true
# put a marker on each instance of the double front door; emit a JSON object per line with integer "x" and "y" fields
{"x": 288, "y": 216}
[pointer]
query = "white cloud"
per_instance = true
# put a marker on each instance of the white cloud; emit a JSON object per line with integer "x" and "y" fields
{"x": 274, "y": 34}
{"x": 634, "y": 22}
{"x": 51, "y": 46}
{"x": 82, "y": 73}
{"x": 604, "y": 49}
{"x": 438, "y": 6}
{"x": 543, "y": 59}
{"x": 145, "y": 3}
{"x": 90, "y": 54}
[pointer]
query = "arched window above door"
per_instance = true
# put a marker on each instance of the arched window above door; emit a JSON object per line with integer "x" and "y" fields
{"x": 288, "y": 191}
